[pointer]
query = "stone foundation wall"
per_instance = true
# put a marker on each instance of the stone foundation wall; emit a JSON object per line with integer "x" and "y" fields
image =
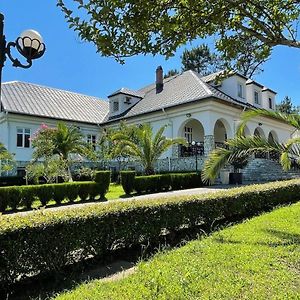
{"x": 257, "y": 170}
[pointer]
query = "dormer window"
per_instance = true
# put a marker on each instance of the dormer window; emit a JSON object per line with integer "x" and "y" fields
{"x": 270, "y": 103}
{"x": 128, "y": 100}
{"x": 256, "y": 97}
{"x": 240, "y": 90}
{"x": 115, "y": 106}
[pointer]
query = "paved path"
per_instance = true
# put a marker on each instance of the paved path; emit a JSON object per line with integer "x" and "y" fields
{"x": 195, "y": 191}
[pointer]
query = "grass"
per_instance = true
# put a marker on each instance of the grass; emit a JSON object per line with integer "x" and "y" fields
{"x": 258, "y": 259}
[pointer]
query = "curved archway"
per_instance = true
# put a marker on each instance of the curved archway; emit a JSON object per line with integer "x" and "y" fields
{"x": 246, "y": 131}
{"x": 272, "y": 137}
{"x": 192, "y": 130}
{"x": 221, "y": 132}
{"x": 259, "y": 132}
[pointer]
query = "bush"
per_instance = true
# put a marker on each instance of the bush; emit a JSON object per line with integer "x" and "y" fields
{"x": 45, "y": 193}
{"x": 175, "y": 181}
{"x": 28, "y": 195}
{"x": 127, "y": 181}
{"x": 50, "y": 240}
{"x": 3, "y": 199}
{"x": 12, "y": 180}
{"x": 19, "y": 196}
{"x": 102, "y": 178}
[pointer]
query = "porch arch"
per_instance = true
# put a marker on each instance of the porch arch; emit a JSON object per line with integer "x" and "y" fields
{"x": 272, "y": 136}
{"x": 222, "y": 131}
{"x": 192, "y": 130}
{"x": 258, "y": 131}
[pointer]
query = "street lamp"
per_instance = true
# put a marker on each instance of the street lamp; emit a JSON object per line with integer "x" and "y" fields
{"x": 195, "y": 146}
{"x": 29, "y": 44}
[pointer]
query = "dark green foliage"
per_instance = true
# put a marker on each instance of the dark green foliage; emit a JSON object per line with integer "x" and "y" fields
{"x": 48, "y": 241}
{"x": 18, "y": 196}
{"x": 103, "y": 180}
{"x": 127, "y": 181}
{"x": 45, "y": 193}
{"x": 14, "y": 197}
{"x": 12, "y": 180}
{"x": 28, "y": 195}
{"x": 163, "y": 182}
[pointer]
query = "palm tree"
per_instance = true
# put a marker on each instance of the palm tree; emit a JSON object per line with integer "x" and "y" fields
{"x": 62, "y": 141}
{"x": 143, "y": 145}
{"x": 242, "y": 147}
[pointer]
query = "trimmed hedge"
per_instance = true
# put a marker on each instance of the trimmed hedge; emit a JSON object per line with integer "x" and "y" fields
{"x": 17, "y": 196}
{"x": 127, "y": 181}
{"x": 165, "y": 182}
{"x": 102, "y": 178}
{"x": 47, "y": 241}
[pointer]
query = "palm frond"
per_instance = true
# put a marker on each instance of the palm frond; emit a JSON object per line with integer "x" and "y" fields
{"x": 290, "y": 119}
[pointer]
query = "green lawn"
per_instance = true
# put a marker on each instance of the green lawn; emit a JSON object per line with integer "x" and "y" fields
{"x": 259, "y": 259}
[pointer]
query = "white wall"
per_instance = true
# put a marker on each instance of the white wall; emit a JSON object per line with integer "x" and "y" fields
{"x": 123, "y": 105}
{"x": 230, "y": 87}
{"x": 18, "y": 121}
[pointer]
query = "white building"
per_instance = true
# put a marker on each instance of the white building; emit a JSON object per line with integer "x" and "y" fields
{"x": 206, "y": 110}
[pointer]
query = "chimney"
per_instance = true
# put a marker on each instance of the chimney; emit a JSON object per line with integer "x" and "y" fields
{"x": 159, "y": 79}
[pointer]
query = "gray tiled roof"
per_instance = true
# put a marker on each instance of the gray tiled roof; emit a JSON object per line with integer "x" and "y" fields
{"x": 32, "y": 99}
{"x": 128, "y": 92}
{"x": 179, "y": 89}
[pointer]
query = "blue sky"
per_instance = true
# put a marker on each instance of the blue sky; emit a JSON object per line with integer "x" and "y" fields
{"x": 74, "y": 65}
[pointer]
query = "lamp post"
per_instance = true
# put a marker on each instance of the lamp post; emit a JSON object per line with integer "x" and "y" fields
{"x": 196, "y": 145}
{"x": 29, "y": 44}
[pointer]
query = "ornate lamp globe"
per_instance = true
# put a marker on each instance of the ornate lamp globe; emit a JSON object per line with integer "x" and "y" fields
{"x": 30, "y": 44}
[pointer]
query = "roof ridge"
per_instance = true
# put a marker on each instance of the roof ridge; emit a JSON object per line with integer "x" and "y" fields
{"x": 204, "y": 84}
{"x": 53, "y": 88}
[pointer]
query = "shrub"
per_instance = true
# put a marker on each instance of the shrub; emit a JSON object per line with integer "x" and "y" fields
{"x": 48, "y": 241}
{"x": 103, "y": 180}
{"x": 45, "y": 193}
{"x": 3, "y": 199}
{"x": 127, "y": 181}
{"x": 84, "y": 191}
{"x": 28, "y": 195}
{"x": 16, "y": 196}
{"x": 161, "y": 182}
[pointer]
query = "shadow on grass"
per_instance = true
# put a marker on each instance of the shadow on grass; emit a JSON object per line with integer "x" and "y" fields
{"x": 285, "y": 239}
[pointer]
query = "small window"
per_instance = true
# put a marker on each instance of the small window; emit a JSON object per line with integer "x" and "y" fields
{"x": 23, "y": 137}
{"x": 240, "y": 90}
{"x": 256, "y": 97}
{"x": 116, "y": 106}
{"x": 270, "y": 103}
{"x": 92, "y": 139}
{"x": 188, "y": 134}
{"x": 128, "y": 100}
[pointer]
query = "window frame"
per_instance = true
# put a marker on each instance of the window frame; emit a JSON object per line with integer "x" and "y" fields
{"x": 92, "y": 140}
{"x": 115, "y": 106}
{"x": 240, "y": 90}
{"x": 258, "y": 100}
{"x": 270, "y": 103}
{"x": 188, "y": 134}
{"x": 25, "y": 137}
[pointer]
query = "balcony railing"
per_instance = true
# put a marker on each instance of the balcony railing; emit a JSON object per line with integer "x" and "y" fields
{"x": 191, "y": 150}
{"x": 221, "y": 145}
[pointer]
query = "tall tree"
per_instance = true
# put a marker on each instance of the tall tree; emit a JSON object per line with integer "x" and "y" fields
{"x": 201, "y": 60}
{"x": 286, "y": 106}
{"x": 63, "y": 141}
{"x": 242, "y": 147}
{"x": 171, "y": 73}
{"x": 122, "y": 28}
{"x": 143, "y": 145}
